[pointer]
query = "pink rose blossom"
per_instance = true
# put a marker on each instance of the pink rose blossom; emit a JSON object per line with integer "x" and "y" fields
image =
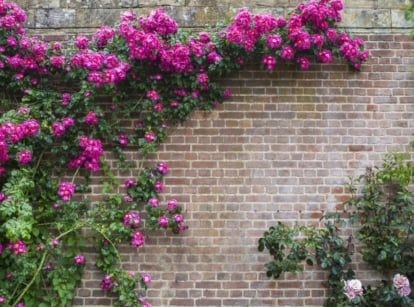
{"x": 24, "y": 157}
{"x": 79, "y": 259}
{"x": 401, "y": 284}
{"x": 137, "y": 239}
{"x": 353, "y": 288}
{"x": 172, "y": 204}
{"x": 149, "y": 136}
{"x": 131, "y": 219}
{"x": 66, "y": 189}
{"x": 153, "y": 202}
{"x": 162, "y": 167}
{"x": 146, "y": 278}
{"x": 163, "y": 221}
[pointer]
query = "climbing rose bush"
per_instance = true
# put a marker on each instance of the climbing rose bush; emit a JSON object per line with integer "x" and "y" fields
{"x": 56, "y": 132}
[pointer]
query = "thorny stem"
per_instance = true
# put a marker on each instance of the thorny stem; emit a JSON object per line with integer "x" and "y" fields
{"x": 42, "y": 261}
{"x": 118, "y": 255}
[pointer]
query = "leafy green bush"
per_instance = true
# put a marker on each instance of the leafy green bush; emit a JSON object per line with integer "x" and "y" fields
{"x": 383, "y": 213}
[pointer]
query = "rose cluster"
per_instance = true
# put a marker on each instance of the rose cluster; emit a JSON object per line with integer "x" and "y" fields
{"x": 309, "y": 28}
{"x": 19, "y": 53}
{"x": 14, "y": 133}
{"x": 89, "y": 157}
{"x": 147, "y": 40}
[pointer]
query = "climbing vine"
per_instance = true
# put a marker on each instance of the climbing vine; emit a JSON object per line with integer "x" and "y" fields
{"x": 68, "y": 106}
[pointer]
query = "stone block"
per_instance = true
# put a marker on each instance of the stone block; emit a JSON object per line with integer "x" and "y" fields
{"x": 128, "y": 3}
{"x": 395, "y": 4}
{"x": 368, "y": 4}
{"x": 399, "y": 21}
{"x": 365, "y": 18}
{"x": 93, "y": 4}
{"x": 95, "y": 18}
{"x": 43, "y": 4}
{"x": 157, "y": 3}
{"x": 55, "y": 18}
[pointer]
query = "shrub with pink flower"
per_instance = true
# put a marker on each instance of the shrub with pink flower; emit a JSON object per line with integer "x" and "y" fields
{"x": 24, "y": 157}
{"x": 66, "y": 190}
{"x": 149, "y": 136}
{"x": 91, "y": 118}
{"x": 17, "y": 247}
{"x": 163, "y": 221}
{"x": 401, "y": 284}
{"x": 90, "y": 156}
{"x": 162, "y": 167}
{"x": 79, "y": 259}
{"x": 353, "y": 288}
{"x": 106, "y": 282}
{"x": 146, "y": 278}
{"x": 131, "y": 219}
{"x": 137, "y": 239}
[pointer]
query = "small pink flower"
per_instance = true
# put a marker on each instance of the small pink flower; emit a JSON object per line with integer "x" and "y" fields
{"x": 81, "y": 42}
{"x": 91, "y": 118}
{"x": 24, "y": 157}
{"x": 153, "y": 202}
{"x": 158, "y": 107}
{"x": 3, "y": 197}
{"x": 163, "y": 221}
{"x": 227, "y": 93}
{"x": 130, "y": 182}
{"x": 23, "y": 110}
{"x": 353, "y": 288}
{"x": 68, "y": 122}
{"x": 325, "y": 56}
{"x": 269, "y": 62}
{"x": 66, "y": 97}
{"x": 127, "y": 198}
{"x": 178, "y": 217}
{"x": 287, "y": 53}
{"x": 273, "y": 41}
{"x": 146, "y": 278}
{"x": 149, "y": 136}
{"x": 401, "y": 284}
{"x": 123, "y": 139}
{"x": 106, "y": 282}
{"x": 18, "y": 247}
{"x": 172, "y": 204}
{"x": 153, "y": 95}
{"x": 158, "y": 186}
{"x": 162, "y": 168}
{"x": 137, "y": 239}
{"x": 131, "y": 219}
{"x": 58, "y": 129}
{"x": 303, "y": 63}
{"x": 79, "y": 259}
{"x": 66, "y": 189}
{"x": 55, "y": 242}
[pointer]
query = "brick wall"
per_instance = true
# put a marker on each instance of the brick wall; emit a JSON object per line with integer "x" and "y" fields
{"x": 279, "y": 149}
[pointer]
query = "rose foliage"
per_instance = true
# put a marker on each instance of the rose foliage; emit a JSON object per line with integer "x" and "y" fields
{"x": 68, "y": 106}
